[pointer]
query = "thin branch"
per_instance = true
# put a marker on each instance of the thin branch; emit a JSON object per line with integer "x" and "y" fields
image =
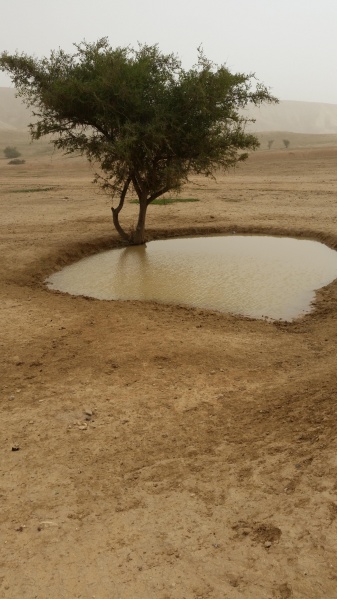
{"x": 136, "y": 185}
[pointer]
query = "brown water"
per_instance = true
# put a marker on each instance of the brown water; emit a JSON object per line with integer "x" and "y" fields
{"x": 256, "y": 276}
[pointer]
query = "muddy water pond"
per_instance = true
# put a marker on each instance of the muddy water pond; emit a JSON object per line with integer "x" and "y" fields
{"x": 256, "y": 276}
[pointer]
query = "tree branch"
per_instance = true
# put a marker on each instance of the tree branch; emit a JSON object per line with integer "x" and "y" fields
{"x": 158, "y": 194}
{"x": 137, "y": 186}
{"x": 116, "y": 211}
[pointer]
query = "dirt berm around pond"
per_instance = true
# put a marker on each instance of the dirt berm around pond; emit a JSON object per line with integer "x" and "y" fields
{"x": 163, "y": 452}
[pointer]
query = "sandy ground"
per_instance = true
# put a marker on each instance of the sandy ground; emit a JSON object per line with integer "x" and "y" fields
{"x": 164, "y": 452}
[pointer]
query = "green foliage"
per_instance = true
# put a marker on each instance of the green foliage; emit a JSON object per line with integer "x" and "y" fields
{"x": 165, "y": 201}
{"x": 17, "y": 161}
{"x": 144, "y": 120}
{"x": 11, "y": 152}
{"x": 32, "y": 190}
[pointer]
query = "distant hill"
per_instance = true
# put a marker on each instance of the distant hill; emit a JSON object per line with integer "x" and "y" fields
{"x": 6, "y": 126}
{"x": 290, "y": 116}
{"x": 13, "y": 113}
{"x": 296, "y": 117}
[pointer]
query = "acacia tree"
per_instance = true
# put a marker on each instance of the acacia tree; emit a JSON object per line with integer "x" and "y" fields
{"x": 11, "y": 152}
{"x": 136, "y": 113}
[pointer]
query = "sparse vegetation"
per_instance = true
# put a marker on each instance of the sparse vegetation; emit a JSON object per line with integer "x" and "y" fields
{"x": 32, "y": 190}
{"x": 11, "y": 152}
{"x": 286, "y": 143}
{"x": 17, "y": 161}
{"x": 297, "y": 140}
{"x": 165, "y": 201}
{"x": 270, "y": 143}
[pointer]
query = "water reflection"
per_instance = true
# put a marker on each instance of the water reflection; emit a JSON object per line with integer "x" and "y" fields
{"x": 256, "y": 276}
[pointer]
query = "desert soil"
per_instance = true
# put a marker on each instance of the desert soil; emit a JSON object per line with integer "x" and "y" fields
{"x": 164, "y": 452}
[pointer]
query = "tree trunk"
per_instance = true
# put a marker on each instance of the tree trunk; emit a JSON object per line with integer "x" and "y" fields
{"x": 138, "y": 237}
{"x": 118, "y": 227}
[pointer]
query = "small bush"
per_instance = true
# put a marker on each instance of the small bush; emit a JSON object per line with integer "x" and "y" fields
{"x": 11, "y": 152}
{"x": 16, "y": 161}
{"x": 286, "y": 143}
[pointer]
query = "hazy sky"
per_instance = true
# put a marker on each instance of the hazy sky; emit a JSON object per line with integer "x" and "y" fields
{"x": 291, "y": 45}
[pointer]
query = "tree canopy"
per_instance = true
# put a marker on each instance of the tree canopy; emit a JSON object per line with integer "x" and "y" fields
{"x": 139, "y": 115}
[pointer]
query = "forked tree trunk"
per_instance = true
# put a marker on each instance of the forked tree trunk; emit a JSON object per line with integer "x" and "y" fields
{"x": 136, "y": 237}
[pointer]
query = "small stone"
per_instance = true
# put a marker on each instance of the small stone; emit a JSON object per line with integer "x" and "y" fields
{"x": 20, "y": 528}
{"x": 88, "y": 412}
{"x": 11, "y": 398}
{"x": 268, "y": 544}
{"x": 15, "y": 447}
{"x": 83, "y": 427}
